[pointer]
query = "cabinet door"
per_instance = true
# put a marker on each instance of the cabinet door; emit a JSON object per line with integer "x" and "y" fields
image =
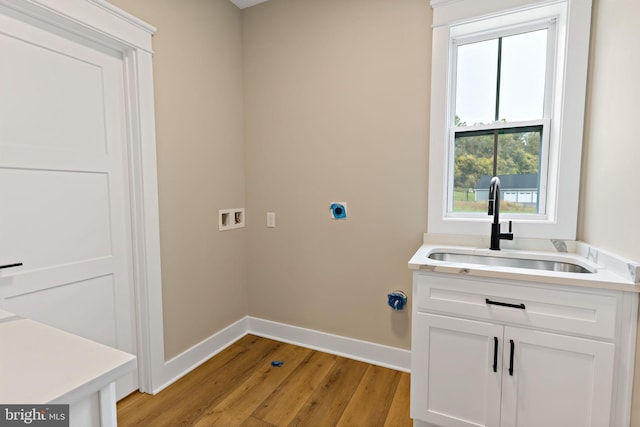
{"x": 557, "y": 381}
{"x": 453, "y": 382}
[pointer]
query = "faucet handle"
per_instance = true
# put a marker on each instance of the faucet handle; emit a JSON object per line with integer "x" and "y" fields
{"x": 509, "y": 235}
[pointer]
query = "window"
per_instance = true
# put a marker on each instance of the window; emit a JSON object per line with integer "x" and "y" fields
{"x": 500, "y": 121}
{"x": 511, "y": 153}
{"x": 507, "y": 99}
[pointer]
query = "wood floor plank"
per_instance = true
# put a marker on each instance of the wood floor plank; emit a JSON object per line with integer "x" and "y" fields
{"x": 398, "y": 415}
{"x": 288, "y": 398}
{"x": 135, "y": 399}
{"x": 255, "y": 422}
{"x": 193, "y": 394}
{"x": 377, "y": 385}
{"x": 239, "y": 387}
{"x": 171, "y": 409}
{"x": 238, "y": 405}
{"x": 327, "y": 403}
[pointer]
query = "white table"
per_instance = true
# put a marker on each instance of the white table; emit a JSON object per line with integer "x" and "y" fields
{"x": 40, "y": 364}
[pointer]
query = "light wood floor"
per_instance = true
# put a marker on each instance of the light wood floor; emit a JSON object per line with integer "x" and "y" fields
{"x": 239, "y": 387}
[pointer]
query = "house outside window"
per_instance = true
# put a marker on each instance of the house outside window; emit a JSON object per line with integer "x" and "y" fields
{"x": 521, "y": 190}
{"x": 501, "y": 96}
{"x": 508, "y": 92}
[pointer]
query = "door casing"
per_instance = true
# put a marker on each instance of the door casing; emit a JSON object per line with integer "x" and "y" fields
{"x": 100, "y": 23}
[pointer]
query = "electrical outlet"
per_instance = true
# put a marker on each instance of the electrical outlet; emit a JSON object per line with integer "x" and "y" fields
{"x": 271, "y": 219}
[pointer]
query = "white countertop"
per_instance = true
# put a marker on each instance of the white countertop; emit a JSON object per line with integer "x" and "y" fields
{"x": 40, "y": 364}
{"x": 610, "y": 271}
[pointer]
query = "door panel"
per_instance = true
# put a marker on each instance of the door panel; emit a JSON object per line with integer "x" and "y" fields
{"x": 86, "y": 307}
{"x": 558, "y": 381}
{"x": 63, "y": 186}
{"x": 454, "y": 364}
{"x": 59, "y": 217}
{"x": 53, "y": 97}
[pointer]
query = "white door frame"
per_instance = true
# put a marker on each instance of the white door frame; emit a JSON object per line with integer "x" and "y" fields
{"x": 101, "y": 23}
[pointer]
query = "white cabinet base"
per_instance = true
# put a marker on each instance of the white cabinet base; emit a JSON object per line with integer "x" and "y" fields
{"x": 456, "y": 384}
{"x": 550, "y": 355}
{"x": 42, "y": 365}
{"x": 557, "y": 381}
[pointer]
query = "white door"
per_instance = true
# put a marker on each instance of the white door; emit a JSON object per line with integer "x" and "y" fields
{"x": 456, "y": 371}
{"x": 556, "y": 380}
{"x": 63, "y": 186}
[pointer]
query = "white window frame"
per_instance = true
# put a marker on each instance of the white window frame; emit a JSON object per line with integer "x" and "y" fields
{"x": 460, "y": 19}
{"x": 466, "y": 34}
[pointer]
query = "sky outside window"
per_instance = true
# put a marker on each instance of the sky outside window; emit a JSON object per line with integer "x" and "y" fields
{"x": 522, "y": 79}
{"x": 499, "y": 81}
{"x": 476, "y": 82}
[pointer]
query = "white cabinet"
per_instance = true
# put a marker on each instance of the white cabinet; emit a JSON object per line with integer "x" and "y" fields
{"x": 555, "y": 380}
{"x": 42, "y": 365}
{"x": 475, "y": 363}
{"x": 452, "y": 377}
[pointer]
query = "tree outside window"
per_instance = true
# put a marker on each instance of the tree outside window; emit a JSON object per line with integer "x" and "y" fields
{"x": 500, "y": 121}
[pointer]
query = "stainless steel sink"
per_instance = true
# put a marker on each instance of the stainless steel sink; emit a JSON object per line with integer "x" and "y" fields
{"x": 535, "y": 264}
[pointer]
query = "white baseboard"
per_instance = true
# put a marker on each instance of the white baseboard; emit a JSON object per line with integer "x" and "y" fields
{"x": 188, "y": 360}
{"x": 364, "y": 351}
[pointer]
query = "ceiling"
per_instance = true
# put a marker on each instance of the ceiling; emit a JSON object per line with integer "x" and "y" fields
{"x": 243, "y": 4}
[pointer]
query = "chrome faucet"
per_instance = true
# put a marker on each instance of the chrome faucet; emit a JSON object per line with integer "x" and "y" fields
{"x": 494, "y": 209}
